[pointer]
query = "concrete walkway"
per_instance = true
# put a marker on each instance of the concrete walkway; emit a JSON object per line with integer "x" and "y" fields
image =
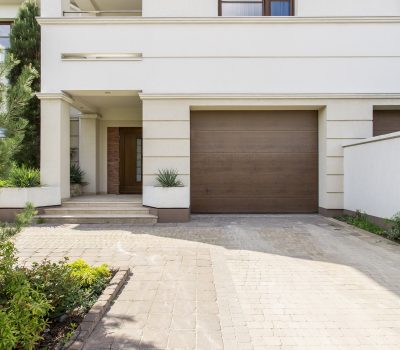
{"x": 239, "y": 282}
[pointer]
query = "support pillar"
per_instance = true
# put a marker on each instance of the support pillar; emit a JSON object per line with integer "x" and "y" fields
{"x": 340, "y": 122}
{"x": 55, "y": 142}
{"x": 88, "y": 150}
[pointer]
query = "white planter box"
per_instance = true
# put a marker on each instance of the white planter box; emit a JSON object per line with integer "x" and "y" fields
{"x": 11, "y": 197}
{"x": 166, "y": 197}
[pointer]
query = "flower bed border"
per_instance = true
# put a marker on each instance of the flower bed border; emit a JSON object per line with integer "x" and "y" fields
{"x": 92, "y": 318}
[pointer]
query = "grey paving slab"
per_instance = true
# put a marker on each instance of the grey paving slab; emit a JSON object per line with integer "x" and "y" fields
{"x": 286, "y": 282}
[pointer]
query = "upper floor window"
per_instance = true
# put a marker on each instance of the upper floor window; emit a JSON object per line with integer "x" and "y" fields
{"x": 5, "y": 29}
{"x": 256, "y": 7}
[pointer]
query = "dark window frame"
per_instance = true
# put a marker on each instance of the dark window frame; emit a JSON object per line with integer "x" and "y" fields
{"x": 266, "y": 7}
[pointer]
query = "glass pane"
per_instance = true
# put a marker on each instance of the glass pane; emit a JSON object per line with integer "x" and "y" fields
{"x": 242, "y": 9}
{"x": 5, "y": 29}
{"x": 280, "y": 8}
{"x": 138, "y": 160}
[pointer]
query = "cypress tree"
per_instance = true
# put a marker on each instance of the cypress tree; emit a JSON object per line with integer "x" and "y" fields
{"x": 25, "y": 48}
{"x": 13, "y": 101}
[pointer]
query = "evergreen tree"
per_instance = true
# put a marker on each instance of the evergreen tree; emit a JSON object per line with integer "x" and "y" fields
{"x": 13, "y": 101}
{"x": 25, "y": 48}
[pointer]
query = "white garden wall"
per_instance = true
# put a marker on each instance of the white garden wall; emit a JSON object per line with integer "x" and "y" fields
{"x": 372, "y": 176}
{"x": 38, "y": 196}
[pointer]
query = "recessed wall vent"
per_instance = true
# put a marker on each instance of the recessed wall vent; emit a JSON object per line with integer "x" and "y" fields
{"x": 101, "y": 56}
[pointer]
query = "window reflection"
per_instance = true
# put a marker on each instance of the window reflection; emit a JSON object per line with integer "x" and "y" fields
{"x": 242, "y": 8}
{"x": 5, "y": 29}
{"x": 280, "y": 8}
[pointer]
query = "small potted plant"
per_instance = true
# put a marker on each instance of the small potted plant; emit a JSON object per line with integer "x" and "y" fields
{"x": 169, "y": 192}
{"x": 76, "y": 180}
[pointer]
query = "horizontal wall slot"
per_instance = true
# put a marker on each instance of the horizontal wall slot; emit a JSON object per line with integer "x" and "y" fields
{"x": 102, "y": 56}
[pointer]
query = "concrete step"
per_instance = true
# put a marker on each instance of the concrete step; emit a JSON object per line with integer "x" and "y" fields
{"x": 100, "y": 204}
{"x": 138, "y": 219}
{"x": 95, "y": 210}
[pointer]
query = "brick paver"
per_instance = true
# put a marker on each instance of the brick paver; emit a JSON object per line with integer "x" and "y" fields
{"x": 238, "y": 282}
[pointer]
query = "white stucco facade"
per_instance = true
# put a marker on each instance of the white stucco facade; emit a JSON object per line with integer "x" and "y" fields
{"x": 372, "y": 176}
{"x": 340, "y": 58}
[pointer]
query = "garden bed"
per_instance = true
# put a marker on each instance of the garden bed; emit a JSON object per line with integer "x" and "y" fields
{"x": 361, "y": 221}
{"x": 72, "y": 331}
{"x": 42, "y": 304}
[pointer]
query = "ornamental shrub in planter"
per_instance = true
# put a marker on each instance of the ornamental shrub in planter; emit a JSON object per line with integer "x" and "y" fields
{"x": 169, "y": 192}
{"x": 76, "y": 180}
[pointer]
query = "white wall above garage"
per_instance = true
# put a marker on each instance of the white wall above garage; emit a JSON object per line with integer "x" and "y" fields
{"x": 259, "y": 56}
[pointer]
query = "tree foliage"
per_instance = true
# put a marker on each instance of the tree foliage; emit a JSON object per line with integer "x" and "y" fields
{"x": 25, "y": 48}
{"x": 13, "y": 101}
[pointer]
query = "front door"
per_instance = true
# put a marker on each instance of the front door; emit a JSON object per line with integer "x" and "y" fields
{"x": 130, "y": 165}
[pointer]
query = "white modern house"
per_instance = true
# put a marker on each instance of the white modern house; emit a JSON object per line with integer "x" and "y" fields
{"x": 251, "y": 101}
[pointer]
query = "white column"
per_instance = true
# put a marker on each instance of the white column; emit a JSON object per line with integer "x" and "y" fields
{"x": 53, "y": 8}
{"x": 88, "y": 150}
{"x": 166, "y": 143}
{"x": 340, "y": 123}
{"x": 55, "y": 142}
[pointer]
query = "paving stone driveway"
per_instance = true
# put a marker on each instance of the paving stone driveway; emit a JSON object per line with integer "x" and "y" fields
{"x": 238, "y": 282}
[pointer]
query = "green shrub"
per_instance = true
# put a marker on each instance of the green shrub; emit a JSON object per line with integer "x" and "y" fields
{"x": 21, "y": 220}
{"x": 23, "y": 309}
{"x": 76, "y": 174}
{"x": 168, "y": 178}
{"x": 3, "y": 183}
{"x": 23, "y": 177}
{"x": 55, "y": 280}
{"x": 88, "y": 275}
{"x": 68, "y": 286}
{"x": 31, "y": 297}
{"x": 92, "y": 280}
{"x": 361, "y": 220}
{"x": 394, "y": 232}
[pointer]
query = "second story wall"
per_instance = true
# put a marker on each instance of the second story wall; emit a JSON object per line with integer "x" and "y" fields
{"x": 224, "y": 56}
{"x": 9, "y": 9}
{"x": 347, "y": 8}
{"x": 305, "y": 8}
{"x": 209, "y": 8}
{"x": 180, "y": 8}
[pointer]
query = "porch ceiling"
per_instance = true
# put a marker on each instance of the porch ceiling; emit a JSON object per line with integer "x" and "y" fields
{"x": 95, "y": 101}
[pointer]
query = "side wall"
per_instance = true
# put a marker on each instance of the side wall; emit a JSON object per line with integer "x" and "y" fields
{"x": 372, "y": 171}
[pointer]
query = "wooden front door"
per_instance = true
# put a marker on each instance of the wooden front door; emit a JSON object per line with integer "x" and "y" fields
{"x": 130, "y": 165}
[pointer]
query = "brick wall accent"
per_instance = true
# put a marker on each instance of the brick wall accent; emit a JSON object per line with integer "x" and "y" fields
{"x": 113, "y": 160}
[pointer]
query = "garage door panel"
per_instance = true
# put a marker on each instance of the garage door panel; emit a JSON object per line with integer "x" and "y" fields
{"x": 253, "y": 141}
{"x": 255, "y": 205}
{"x": 386, "y": 122}
{"x": 262, "y": 163}
{"x": 240, "y": 188}
{"x": 254, "y": 161}
{"x": 254, "y": 121}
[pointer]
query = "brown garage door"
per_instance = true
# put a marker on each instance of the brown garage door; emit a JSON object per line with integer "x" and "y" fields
{"x": 386, "y": 122}
{"x": 254, "y": 161}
